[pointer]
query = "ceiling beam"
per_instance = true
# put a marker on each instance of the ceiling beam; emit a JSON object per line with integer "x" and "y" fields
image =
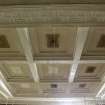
{"x": 86, "y": 61}
{"x": 38, "y": 101}
{"x": 54, "y": 61}
{"x": 82, "y": 33}
{"x": 25, "y": 41}
{"x": 13, "y": 61}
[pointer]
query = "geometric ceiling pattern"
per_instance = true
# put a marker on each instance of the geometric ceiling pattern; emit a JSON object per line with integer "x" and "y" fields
{"x": 52, "y": 61}
{"x": 52, "y": 52}
{"x": 53, "y": 42}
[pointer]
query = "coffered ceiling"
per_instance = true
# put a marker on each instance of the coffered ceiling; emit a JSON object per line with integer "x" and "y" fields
{"x": 52, "y": 61}
{"x": 52, "y": 50}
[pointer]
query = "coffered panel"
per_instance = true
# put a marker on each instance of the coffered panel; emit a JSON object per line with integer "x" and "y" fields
{"x": 10, "y": 46}
{"x": 54, "y": 89}
{"x": 81, "y": 89}
{"x": 90, "y": 73}
{"x": 17, "y": 72}
{"x": 51, "y": 42}
{"x": 53, "y": 72}
{"x": 95, "y": 45}
{"x": 24, "y": 89}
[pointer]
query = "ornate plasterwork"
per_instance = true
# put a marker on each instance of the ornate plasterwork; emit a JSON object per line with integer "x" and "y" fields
{"x": 43, "y": 2}
{"x": 64, "y": 14}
